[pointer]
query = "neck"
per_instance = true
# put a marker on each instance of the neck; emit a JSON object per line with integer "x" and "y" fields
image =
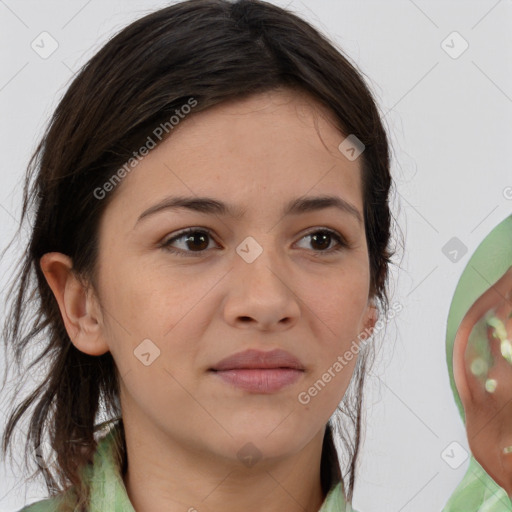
{"x": 163, "y": 475}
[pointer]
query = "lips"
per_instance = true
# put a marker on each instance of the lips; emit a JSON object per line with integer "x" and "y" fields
{"x": 256, "y": 359}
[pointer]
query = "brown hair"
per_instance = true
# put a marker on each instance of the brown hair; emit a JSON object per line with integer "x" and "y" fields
{"x": 213, "y": 51}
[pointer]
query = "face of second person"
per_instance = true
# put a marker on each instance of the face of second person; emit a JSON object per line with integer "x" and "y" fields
{"x": 218, "y": 295}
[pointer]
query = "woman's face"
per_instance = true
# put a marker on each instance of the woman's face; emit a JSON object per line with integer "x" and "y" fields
{"x": 266, "y": 279}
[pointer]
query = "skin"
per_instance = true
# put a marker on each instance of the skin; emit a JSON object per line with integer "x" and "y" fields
{"x": 184, "y": 426}
{"x": 488, "y": 415}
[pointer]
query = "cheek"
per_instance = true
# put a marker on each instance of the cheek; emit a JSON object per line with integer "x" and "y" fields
{"x": 168, "y": 309}
{"x": 143, "y": 298}
{"x": 336, "y": 315}
{"x": 338, "y": 307}
{"x": 322, "y": 394}
{"x": 161, "y": 395}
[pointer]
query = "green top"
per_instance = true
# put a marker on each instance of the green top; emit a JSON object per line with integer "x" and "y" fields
{"x": 478, "y": 492}
{"x": 108, "y": 493}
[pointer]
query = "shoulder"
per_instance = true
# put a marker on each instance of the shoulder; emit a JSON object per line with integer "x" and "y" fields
{"x": 47, "y": 505}
{"x": 97, "y": 474}
{"x": 64, "y": 501}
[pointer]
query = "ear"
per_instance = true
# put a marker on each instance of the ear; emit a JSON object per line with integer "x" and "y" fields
{"x": 370, "y": 318}
{"x": 488, "y": 409}
{"x": 80, "y": 311}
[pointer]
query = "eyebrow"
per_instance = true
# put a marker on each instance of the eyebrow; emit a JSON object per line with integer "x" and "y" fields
{"x": 212, "y": 206}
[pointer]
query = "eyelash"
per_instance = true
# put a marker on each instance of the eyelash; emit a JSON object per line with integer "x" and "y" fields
{"x": 342, "y": 243}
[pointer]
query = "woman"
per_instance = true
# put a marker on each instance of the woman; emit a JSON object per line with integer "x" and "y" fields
{"x": 211, "y": 251}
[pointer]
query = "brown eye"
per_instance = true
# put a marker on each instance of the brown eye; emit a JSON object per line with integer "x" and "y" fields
{"x": 321, "y": 240}
{"x": 192, "y": 241}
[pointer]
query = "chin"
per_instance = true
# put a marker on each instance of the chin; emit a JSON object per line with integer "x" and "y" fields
{"x": 269, "y": 442}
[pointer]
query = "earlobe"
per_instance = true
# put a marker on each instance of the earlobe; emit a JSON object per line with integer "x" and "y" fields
{"x": 372, "y": 315}
{"x": 78, "y": 309}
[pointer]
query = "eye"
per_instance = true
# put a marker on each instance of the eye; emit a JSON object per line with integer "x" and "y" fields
{"x": 323, "y": 238}
{"x": 193, "y": 240}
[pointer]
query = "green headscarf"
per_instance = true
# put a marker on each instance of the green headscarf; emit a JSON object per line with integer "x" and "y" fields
{"x": 477, "y": 490}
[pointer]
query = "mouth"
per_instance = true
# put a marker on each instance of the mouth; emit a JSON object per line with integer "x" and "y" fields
{"x": 260, "y": 380}
{"x": 259, "y": 372}
{"x": 256, "y": 359}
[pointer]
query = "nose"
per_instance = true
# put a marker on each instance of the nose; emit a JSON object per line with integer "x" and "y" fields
{"x": 261, "y": 295}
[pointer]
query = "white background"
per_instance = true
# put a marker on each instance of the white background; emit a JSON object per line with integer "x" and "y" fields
{"x": 450, "y": 125}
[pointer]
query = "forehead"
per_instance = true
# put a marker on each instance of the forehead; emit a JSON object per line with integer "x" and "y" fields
{"x": 283, "y": 111}
{"x": 280, "y": 143}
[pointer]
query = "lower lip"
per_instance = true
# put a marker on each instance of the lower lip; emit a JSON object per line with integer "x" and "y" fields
{"x": 260, "y": 380}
